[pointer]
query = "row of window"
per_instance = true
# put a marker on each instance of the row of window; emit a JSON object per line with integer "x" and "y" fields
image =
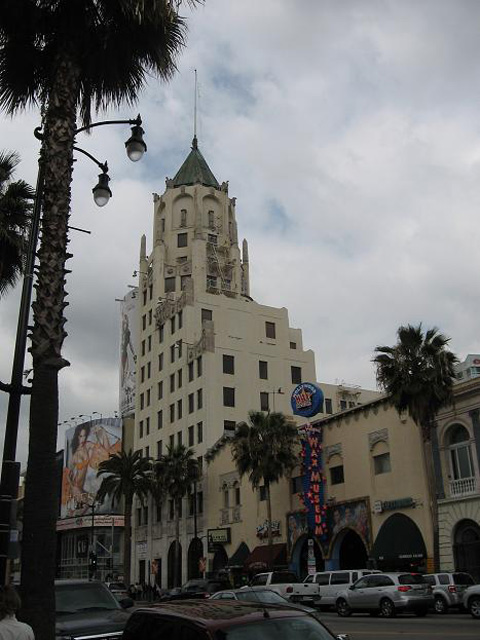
{"x": 142, "y": 515}
{"x": 175, "y": 380}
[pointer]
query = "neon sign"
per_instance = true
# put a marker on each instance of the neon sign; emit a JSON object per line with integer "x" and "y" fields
{"x": 307, "y": 400}
{"x": 313, "y": 481}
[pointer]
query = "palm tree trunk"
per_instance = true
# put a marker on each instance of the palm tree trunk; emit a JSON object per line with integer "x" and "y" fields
{"x": 127, "y": 542}
{"x": 176, "y": 572}
{"x": 269, "y": 527}
{"x": 433, "y": 502}
{"x": 42, "y": 480}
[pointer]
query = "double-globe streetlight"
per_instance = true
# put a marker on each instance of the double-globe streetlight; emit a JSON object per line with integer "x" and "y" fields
{"x": 135, "y": 148}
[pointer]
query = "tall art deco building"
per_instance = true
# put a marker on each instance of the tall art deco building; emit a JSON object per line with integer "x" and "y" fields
{"x": 207, "y": 352}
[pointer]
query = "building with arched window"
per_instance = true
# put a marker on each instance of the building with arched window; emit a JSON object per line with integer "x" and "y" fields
{"x": 458, "y": 480}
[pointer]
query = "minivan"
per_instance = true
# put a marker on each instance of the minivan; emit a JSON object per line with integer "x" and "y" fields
{"x": 333, "y": 582}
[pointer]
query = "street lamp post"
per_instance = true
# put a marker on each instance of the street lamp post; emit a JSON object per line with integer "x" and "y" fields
{"x": 135, "y": 147}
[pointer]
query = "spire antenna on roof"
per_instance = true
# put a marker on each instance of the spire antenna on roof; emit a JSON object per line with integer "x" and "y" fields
{"x": 195, "y": 107}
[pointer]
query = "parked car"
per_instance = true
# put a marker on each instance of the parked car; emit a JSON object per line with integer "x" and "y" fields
{"x": 331, "y": 583}
{"x": 88, "y": 609}
{"x": 471, "y": 600}
{"x": 119, "y": 589}
{"x": 448, "y": 589}
{"x": 286, "y": 584}
{"x": 226, "y": 619}
{"x": 387, "y": 594}
{"x": 266, "y": 596}
{"x": 198, "y": 588}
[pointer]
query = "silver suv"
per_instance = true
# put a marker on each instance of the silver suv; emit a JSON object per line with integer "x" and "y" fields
{"x": 471, "y": 600}
{"x": 386, "y": 594}
{"x": 448, "y": 589}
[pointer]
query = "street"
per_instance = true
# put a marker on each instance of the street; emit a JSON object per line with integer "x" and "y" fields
{"x": 407, "y": 627}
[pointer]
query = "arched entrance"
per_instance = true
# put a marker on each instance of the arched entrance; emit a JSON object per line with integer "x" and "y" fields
{"x": 220, "y": 559}
{"x": 299, "y": 561}
{"x": 195, "y": 553}
{"x": 466, "y": 548}
{"x": 399, "y": 545}
{"x": 171, "y": 566}
{"x": 348, "y": 551}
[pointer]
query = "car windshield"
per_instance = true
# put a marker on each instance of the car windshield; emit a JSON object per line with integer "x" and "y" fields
{"x": 72, "y": 598}
{"x": 268, "y": 597}
{"x": 462, "y": 578}
{"x": 118, "y": 586}
{"x": 277, "y": 629}
{"x": 411, "y": 578}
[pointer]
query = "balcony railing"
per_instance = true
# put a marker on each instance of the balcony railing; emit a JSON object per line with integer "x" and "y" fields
{"x": 463, "y": 487}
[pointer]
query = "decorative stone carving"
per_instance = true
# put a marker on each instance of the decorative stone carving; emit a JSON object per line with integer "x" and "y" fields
{"x": 206, "y": 342}
{"x": 170, "y": 306}
{"x": 377, "y": 436}
{"x": 224, "y": 516}
{"x": 333, "y": 450}
{"x": 237, "y": 514}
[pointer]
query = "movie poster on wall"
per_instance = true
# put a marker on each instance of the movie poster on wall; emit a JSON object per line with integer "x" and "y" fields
{"x": 86, "y": 446}
{"x": 128, "y": 353}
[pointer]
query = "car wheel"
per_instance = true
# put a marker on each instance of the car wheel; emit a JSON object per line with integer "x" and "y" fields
{"x": 387, "y": 608}
{"x": 440, "y": 605}
{"x": 474, "y": 606}
{"x": 420, "y": 613}
{"x": 343, "y": 609}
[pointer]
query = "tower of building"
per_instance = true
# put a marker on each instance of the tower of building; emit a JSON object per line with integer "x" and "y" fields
{"x": 208, "y": 352}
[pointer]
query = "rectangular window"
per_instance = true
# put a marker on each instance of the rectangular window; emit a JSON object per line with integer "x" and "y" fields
{"x": 159, "y": 512}
{"x": 145, "y": 297}
{"x": 150, "y": 317}
{"x": 199, "y": 366}
{"x": 171, "y": 441}
{"x": 212, "y": 238}
{"x": 199, "y": 399}
{"x": 211, "y": 220}
{"x": 142, "y": 401}
{"x": 343, "y": 405}
{"x": 182, "y": 240}
{"x": 228, "y": 397}
{"x": 228, "y": 364}
{"x": 237, "y": 497}
{"x": 180, "y": 319}
{"x": 263, "y": 370}
{"x": 140, "y": 429}
{"x": 211, "y": 282}
{"x": 147, "y": 452}
{"x": 264, "y": 406}
{"x": 270, "y": 330}
{"x": 172, "y": 383}
{"x": 142, "y": 374}
{"x": 172, "y": 353}
{"x": 160, "y": 362}
{"x": 148, "y": 397}
{"x": 183, "y": 218}
{"x": 172, "y": 413}
{"x": 199, "y": 432}
{"x": 161, "y": 333}
{"x": 179, "y": 378}
{"x": 262, "y": 493}
{"x": 200, "y": 464}
{"x": 191, "y": 436}
{"x": 190, "y": 371}
{"x": 139, "y": 516}
{"x": 150, "y": 291}
{"x": 296, "y": 485}
{"x": 147, "y": 426}
{"x": 179, "y": 409}
{"x": 178, "y": 345}
{"x": 169, "y": 285}
{"x": 172, "y": 325}
{"x": 336, "y": 475}
{"x": 229, "y": 426}
{"x": 207, "y": 314}
{"x": 159, "y": 419}
{"x": 184, "y": 280}
{"x": 143, "y": 347}
{"x": 293, "y": 345}
{"x": 191, "y": 403}
{"x": 200, "y": 502}
{"x": 296, "y": 375}
{"x": 351, "y": 404}
{"x": 381, "y": 463}
{"x": 191, "y": 505}
{"x": 144, "y": 321}
{"x": 149, "y": 370}
{"x": 179, "y": 438}
{"x": 149, "y": 343}
{"x": 160, "y": 390}
{"x": 328, "y": 405}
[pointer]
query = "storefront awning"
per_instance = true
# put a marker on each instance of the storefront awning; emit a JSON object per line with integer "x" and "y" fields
{"x": 399, "y": 539}
{"x": 258, "y": 560}
{"x": 240, "y": 555}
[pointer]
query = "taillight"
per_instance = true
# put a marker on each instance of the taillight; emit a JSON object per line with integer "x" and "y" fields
{"x": 289, "y": 589}
{"x": 404, "y": 588}
{"x": 452, "y": 588}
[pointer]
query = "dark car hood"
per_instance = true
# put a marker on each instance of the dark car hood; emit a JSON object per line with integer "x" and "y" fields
{"x": 91, "y": 622}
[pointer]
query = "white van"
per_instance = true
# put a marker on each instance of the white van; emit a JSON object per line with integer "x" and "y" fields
{"x": 332, "y": 582}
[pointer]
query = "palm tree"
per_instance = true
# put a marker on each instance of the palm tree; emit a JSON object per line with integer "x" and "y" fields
{"x": 265, "y": 448}
{"x": 175, "y": 472}
{"x": 126, "y": 475}
{"x": 67, "y": 56}
{"x": 418, "y": 374}
{"x": 15, "y": 208}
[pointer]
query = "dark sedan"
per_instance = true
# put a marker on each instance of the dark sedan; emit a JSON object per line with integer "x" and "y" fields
{"x": 265, "y": 596}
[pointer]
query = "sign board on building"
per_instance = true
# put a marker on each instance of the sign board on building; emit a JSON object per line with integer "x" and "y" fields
{"x": 379, "y": 506}
{"x": 307, "y": 400}
{"x": 218, "y": 536}
{"x": 86, "y": 521}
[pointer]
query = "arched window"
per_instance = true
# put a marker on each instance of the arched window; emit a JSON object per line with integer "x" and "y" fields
{"x": 461, "y": 464}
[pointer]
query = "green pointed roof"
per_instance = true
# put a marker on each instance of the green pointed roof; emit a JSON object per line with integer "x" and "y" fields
{"x": 195, "y": 170}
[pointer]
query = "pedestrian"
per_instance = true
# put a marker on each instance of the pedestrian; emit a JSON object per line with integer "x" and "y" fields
{"x": 10, "y": 627}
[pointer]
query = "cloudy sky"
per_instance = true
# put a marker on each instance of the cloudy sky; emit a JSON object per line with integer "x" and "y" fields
{"x": 349, "y": 133}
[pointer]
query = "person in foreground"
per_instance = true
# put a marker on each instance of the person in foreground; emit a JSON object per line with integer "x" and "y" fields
{"x": 10, "y": 627}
